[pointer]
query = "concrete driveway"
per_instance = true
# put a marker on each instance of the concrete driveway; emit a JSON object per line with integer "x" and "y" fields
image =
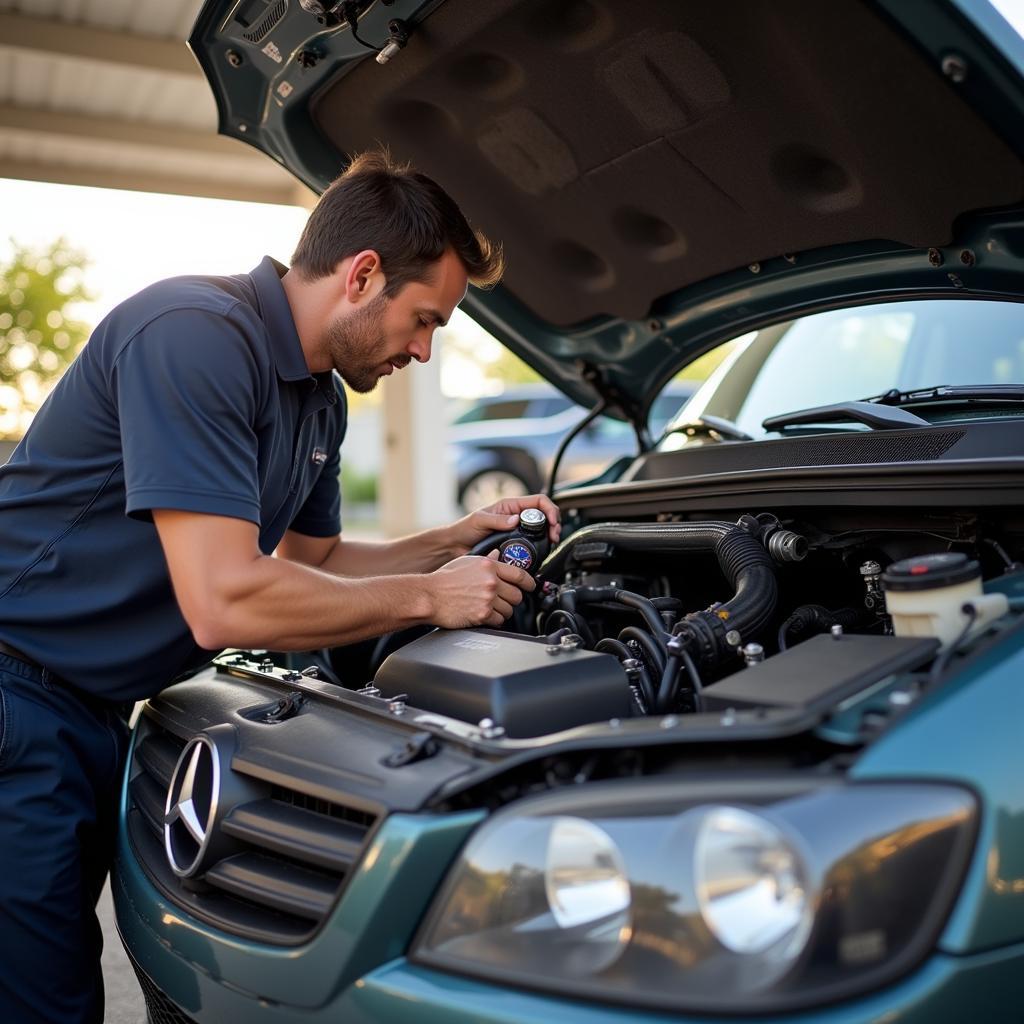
{"x": 125, "y": 1004}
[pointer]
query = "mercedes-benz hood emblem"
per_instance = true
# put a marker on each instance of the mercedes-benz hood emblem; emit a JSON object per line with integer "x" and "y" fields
{"x": 191, "y": 808}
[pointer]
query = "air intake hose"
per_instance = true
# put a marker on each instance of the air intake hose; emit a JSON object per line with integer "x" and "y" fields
{"x": 742, "y": 557}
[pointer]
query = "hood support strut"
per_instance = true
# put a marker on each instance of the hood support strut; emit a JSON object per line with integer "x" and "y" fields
{"x": 616, "y": 400}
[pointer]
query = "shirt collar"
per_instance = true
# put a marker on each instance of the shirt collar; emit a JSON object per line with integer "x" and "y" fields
{"x": 277, "y": 315}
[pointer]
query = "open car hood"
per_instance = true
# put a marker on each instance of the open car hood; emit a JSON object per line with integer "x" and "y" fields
{"x": 663, "y": 175}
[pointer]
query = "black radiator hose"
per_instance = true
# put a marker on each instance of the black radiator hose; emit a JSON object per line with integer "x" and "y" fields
{"x": 741, "y": 556}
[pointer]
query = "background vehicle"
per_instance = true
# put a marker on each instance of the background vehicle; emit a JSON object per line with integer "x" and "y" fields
{"x": 504, "y": 444}
{"x": 753, "y": 749}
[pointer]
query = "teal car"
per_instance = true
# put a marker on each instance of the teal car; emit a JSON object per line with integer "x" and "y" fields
{"x": 754, "y": 747}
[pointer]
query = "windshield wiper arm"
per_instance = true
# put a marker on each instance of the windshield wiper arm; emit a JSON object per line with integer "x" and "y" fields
{"x": 711, "y": 425}
{"x": 874, "y": 415}
{"x": 952, "y": 393}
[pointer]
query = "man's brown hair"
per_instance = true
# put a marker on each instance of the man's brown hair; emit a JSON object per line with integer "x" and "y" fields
{"x": 404, "y": 216}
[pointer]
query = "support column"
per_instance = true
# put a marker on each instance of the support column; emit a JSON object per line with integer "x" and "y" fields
{"x": 417, "y": 485}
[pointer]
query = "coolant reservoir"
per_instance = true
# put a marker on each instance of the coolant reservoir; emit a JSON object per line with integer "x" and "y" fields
{"x": 925, "y": 596}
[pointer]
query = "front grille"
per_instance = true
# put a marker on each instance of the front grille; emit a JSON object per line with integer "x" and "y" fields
{"x": 159, "y": 1009}
{"x": 283, "y": 855}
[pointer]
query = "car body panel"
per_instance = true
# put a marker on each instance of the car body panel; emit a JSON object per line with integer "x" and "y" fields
{"x": 975, "y": 719}
{"x": 356, "y": 969}
{"x": 950, "y": 988}
{"x": 630, "y": 360}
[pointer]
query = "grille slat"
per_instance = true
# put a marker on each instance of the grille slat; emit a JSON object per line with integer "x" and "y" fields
{"x": 157, "y": 754}
{"x": 285, "y": 855}
{"x": 150, "y": 798}
{"x": 293, "y": 832}
{"x": 287, "y": 888}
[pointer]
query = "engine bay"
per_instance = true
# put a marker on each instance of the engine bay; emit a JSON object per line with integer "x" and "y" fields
{"x": 687, "y": 617}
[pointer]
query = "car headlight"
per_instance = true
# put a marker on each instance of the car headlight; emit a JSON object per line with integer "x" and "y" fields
{"x": 771, "y": 899}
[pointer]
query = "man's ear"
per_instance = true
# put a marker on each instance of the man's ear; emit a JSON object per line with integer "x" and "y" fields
{"x": 365, "y": 278}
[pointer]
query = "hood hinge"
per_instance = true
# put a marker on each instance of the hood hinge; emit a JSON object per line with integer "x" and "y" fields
{"x": 617, "y": 401}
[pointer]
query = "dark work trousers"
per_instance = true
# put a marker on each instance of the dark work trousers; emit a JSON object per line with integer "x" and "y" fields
{"x": 61, "y": 756}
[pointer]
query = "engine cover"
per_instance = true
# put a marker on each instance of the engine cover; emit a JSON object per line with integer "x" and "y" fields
{"x": 513, "y": 680}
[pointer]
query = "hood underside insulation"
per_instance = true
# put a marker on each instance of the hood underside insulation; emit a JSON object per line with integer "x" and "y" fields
{"x": 622, "y": 149}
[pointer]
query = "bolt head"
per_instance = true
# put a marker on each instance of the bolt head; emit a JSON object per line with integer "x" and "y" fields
{"x": 935, "y": 257}
{"x": 954, "y": 67}
{"x": 733, "y": 638}
{"x": 967, "y": 257}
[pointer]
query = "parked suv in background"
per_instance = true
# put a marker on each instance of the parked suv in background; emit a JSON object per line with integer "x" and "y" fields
{"x": 752, "y": 749}
{"x": 503, "y": 444}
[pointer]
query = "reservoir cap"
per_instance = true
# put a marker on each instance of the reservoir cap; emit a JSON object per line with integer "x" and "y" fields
{"x": 930, "y": 572}
{"x": 533, "y": 523}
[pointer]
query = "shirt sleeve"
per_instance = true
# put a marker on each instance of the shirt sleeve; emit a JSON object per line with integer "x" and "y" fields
{"x": 186, "y": 388}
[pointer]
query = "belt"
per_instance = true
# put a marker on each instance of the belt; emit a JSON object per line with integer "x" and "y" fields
{"x": 90, "y": 700}
{"x": 13, "y": 652}
{"x": 48, "y": 676}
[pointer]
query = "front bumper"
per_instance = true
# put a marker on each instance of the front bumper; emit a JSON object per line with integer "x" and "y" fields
{"x": 354, "y": 970}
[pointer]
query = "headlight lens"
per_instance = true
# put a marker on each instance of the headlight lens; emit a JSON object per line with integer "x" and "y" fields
{"x": 585, "y": 879}
{"x": 752, "y": 886}
{"x": 786, "y": 898}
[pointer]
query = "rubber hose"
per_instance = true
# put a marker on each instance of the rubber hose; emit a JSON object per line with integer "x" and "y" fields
{"x": 741, "y": 557}
{"x": 607, "y": 645}
{"x": 653, "y": 653}
{"x": 637, "y": 602}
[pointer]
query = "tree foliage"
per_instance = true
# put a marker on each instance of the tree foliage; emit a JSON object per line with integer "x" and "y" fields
{"x": 39, "y": 336}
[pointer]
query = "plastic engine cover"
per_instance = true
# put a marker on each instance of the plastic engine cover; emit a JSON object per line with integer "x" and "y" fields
{"x": 513, "y": 680}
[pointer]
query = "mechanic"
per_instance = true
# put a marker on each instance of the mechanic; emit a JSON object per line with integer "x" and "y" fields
{"x": 178, "y": 494}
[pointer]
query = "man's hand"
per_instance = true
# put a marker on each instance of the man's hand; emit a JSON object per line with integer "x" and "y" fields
{"x": 473, "y": 591}
{"x": 500, "y": 517}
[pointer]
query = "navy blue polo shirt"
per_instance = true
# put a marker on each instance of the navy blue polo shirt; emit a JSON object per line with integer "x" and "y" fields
{"x": 194, "y": 395}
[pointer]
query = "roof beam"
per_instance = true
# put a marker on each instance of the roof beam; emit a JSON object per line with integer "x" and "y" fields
{"x": 145, "y": 181}
{"x": 39, "y": 121}
{"x": 59, "y": 38}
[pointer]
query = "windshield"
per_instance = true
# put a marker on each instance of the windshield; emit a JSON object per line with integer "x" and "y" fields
{"x": 856, "y": 353}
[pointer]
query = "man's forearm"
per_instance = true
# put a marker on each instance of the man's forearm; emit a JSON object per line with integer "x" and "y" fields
{"x": 418, "y": 553}
{"x": 281, "y": 605}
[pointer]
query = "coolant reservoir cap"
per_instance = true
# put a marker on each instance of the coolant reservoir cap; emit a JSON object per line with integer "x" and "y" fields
{"x": 930, "y": 572}
{"x": 533, "y": 522}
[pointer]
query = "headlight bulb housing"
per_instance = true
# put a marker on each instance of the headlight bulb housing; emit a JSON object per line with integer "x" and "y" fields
{"x": 791, "y": 894}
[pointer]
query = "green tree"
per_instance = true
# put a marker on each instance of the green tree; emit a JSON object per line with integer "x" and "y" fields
{"x": 39, "y": 336}
{"x": 510, "y": 369}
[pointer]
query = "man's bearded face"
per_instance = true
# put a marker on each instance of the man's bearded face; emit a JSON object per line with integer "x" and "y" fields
{"x": 359, "y": 348}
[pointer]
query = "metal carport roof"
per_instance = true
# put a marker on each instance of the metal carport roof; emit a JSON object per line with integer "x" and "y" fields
{"x": 105, "y": 93}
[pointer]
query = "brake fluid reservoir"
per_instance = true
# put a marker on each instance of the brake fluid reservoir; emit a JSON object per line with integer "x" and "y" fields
{"x": 925, "y": 596}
